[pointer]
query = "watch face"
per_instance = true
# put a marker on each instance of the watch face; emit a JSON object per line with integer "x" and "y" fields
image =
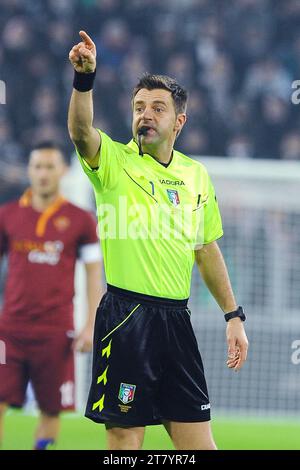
{"x": 241, "y": 314}
{"x": 238, "y": 313}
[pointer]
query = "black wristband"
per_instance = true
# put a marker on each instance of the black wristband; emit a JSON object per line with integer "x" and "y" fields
{"x": 236, "y": 313}
{"x": 84, "y": 81}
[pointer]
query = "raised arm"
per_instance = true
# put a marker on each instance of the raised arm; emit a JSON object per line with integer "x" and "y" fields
{"x": 80, "y": 119}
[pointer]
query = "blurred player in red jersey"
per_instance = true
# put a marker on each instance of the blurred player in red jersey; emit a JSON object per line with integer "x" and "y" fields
{"x": 43, "y": 234}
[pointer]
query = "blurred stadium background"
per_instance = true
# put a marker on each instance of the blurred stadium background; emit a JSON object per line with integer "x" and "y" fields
{"x": 238, "y": 59}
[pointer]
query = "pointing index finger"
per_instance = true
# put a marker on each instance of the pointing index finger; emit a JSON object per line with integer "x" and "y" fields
{"x": 86, "y": 38}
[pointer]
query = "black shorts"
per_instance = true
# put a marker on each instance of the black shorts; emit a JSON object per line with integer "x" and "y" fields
{"x": 146, "y": 364}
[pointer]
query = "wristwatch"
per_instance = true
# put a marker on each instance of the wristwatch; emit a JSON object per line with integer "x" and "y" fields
{"x": 239, "y": 312}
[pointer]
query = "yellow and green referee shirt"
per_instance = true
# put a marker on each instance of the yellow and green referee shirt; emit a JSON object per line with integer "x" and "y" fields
{"x": 151, "y": 218}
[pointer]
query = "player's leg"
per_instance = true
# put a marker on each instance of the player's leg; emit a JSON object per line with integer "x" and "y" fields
{"x": 47, "y": 431}
{"x": 184, "y": 401}
{"x": 191, "y": 436}
{"x": 3, "y": 407}
{"x": 52, "y": 377}
{"x": 13, "y": 375}
{"x": 124, "y": 438}
{"x": 126, "y": 370}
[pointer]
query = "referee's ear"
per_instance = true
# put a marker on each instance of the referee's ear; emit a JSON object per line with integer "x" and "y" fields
{"x": 180, "y": 122}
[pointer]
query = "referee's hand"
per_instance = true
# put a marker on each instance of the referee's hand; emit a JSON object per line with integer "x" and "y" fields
{"x": 83, "y": 55}
{"x": 237, "y": 344}
{"x": 84, "y": 341}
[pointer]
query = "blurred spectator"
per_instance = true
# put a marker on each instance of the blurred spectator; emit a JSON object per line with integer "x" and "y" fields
{"x": 268, "y": 77}
{"x": 274, "y": 121}
{"x": 240, "y": 146}
{"x": 195, "y": 141}
{"x": 181, "y": 66}
{"x": 237, "y": 59}
{"x": 113, "y": 42}
{"x": 290, "y": 146}
{"x": 13, "y": 175}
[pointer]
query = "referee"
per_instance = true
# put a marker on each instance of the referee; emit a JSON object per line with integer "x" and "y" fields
{"x": 157, "y": 215}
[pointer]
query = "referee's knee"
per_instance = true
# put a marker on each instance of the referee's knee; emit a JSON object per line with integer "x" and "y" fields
{"x": 124, "y": 438}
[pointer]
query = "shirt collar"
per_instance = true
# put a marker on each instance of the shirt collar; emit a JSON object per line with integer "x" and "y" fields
{"x": 26, "y": 199}
{"x": 134, "y": 146}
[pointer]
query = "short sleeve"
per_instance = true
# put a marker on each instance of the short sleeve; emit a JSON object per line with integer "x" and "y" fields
{"x": 89, "y": 246}
{"x": 212, "y": 217}
{"x": 111, "y": 158}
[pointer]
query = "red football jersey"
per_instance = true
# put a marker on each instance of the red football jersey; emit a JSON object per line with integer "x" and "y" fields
{"x": 42, "y": 248}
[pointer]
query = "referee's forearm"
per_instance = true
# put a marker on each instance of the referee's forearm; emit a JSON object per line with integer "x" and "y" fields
{"x": 80, "y": 117}
{"x": 213, "y": 270}
{"x": 80, "y": 123}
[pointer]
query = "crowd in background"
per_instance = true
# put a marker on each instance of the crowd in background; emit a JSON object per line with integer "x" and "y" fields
{"x": 237, "y": 58}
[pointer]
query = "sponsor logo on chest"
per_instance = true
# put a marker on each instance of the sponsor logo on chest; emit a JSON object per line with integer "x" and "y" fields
{"x": 172, "y": 182}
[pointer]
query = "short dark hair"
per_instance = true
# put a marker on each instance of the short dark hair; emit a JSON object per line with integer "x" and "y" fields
{"x": 152, "y": 82}
{"x": 46, "y": 145}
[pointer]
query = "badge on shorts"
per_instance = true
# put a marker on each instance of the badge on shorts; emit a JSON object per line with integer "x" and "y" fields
{"x": 126, "y": 393}
{"x": 173, "y": 196}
